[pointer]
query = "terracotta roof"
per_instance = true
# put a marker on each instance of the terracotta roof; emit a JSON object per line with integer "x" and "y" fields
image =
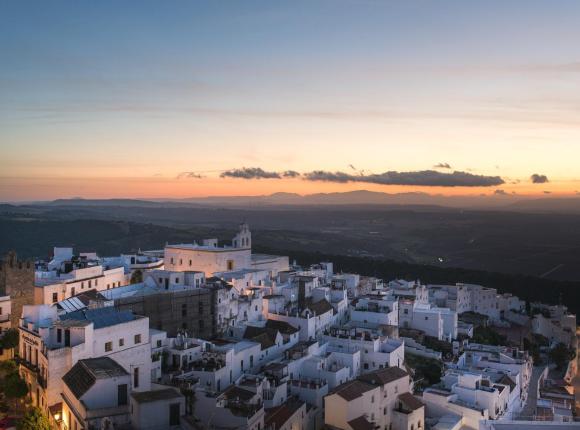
{"x": 234, "y": 392}
{"x": 506, "y": 380}
{"x": 410, "y": 402}
{"x": 361, "y": 423}
{"x": 276, "y": 417}
{"x": 320, "y": 307}
{"x": 352, "y": 389}
{"x": 282, "y": 326}
{"x": 265, "y": 336}
{"x": 384, "y": 376}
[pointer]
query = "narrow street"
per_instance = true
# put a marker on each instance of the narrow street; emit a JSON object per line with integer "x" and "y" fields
{"x": 529, "y": 409}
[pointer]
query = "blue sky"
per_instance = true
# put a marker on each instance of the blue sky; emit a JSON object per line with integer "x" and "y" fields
{"x": 141, "y": 89}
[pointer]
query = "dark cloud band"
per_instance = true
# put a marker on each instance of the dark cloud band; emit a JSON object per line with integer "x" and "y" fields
{"x": 425, "y": 178}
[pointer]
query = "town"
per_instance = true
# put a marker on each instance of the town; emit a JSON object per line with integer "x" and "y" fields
{"x": 204, "y": 335}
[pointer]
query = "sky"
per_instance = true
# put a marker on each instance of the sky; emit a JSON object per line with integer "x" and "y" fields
{"x": 184, "y": 98}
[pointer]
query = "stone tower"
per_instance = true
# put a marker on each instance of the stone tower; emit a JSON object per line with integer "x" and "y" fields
{"x": 17, "y": 281}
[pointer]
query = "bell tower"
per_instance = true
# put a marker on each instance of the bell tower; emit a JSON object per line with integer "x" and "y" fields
{"x": 244, "y": 237}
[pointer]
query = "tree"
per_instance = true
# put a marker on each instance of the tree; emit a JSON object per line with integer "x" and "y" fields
{"x": 9, "y": 339}
{"x": 488, "y": 336}
{"x": 34, "y": 419}
{"x": 14, "y": 387}
{"x": 137, "y": 277}
{"x": 7, "y": 367}
{"x": 561, "y": 355}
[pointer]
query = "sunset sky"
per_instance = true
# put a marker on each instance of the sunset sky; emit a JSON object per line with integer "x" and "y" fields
{"x": 122, "y": 99}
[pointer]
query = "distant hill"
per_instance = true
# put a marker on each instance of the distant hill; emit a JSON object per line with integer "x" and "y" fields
{"x": 357, "y": 197}
{"x": 102, "y": 202}
{"x": 414, "y": 200}
{"x": 554, "y": 204}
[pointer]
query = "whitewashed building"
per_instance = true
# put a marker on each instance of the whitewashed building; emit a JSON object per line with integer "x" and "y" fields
{"x": 51, "y": 344}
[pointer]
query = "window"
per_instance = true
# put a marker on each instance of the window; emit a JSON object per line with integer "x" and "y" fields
{"x": 172, "y": 260}
{"x": 180, "y": 261}
{"x": 177, "y": 280}
{"x": 406, "y": 311}
{"x": 136, "y": 377}
{"x": 137, "y": 338}
{"x": 242, "y": 365}
{"x": 426, "y": 318}
{"x": 72, "y": 291}
{"x": 372, "y": 399}
{"x": 190, "y": 262}
{"x": 54, "y": 297}
{"x": 230, "y": 264}
{"x": 201, "y": 325}
{"x": 184, "y": 310}
{"x": 121, "y": 342}
{"x": 121, "y": 394}
{"x": 96, "y": 282}
{"x": 108, "y": 346}
{"x": 82, "y": 285}
{"x": 59, "y": 335}
{"x": 90, "y": 284}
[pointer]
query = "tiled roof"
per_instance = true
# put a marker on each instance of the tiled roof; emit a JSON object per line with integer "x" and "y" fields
{"x": 320, "y": 307}
{"x": 276, "y": 417}
{"x": 384, "y": 376}
{"x": 83, "y": 375}
{"x": 410, "y": 402}
{"x": 282, "y": 326}
{"x": 233, "y": 392}
{"x": 352, "y": 389}
{"x": 361, "y": 423}
{"x": 266, "y": 337}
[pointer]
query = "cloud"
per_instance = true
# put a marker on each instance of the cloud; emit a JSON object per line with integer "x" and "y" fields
{"x": 290, "y": 174}
{"x": 251, "y": 173}
{"x": 547, "y": 192}
{"x": 189, "y": 175}
{"x": 500, "y": 193}
{"x": 426, "y": 178}
{"x": 442, "y": 166}
{"x": 539, "y": 179}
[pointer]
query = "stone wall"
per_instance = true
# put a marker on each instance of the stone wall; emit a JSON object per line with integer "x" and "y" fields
{"x": 17, "y": 281}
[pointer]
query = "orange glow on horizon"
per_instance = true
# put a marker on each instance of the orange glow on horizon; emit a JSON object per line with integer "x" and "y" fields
{"x": 27, "y": 189}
